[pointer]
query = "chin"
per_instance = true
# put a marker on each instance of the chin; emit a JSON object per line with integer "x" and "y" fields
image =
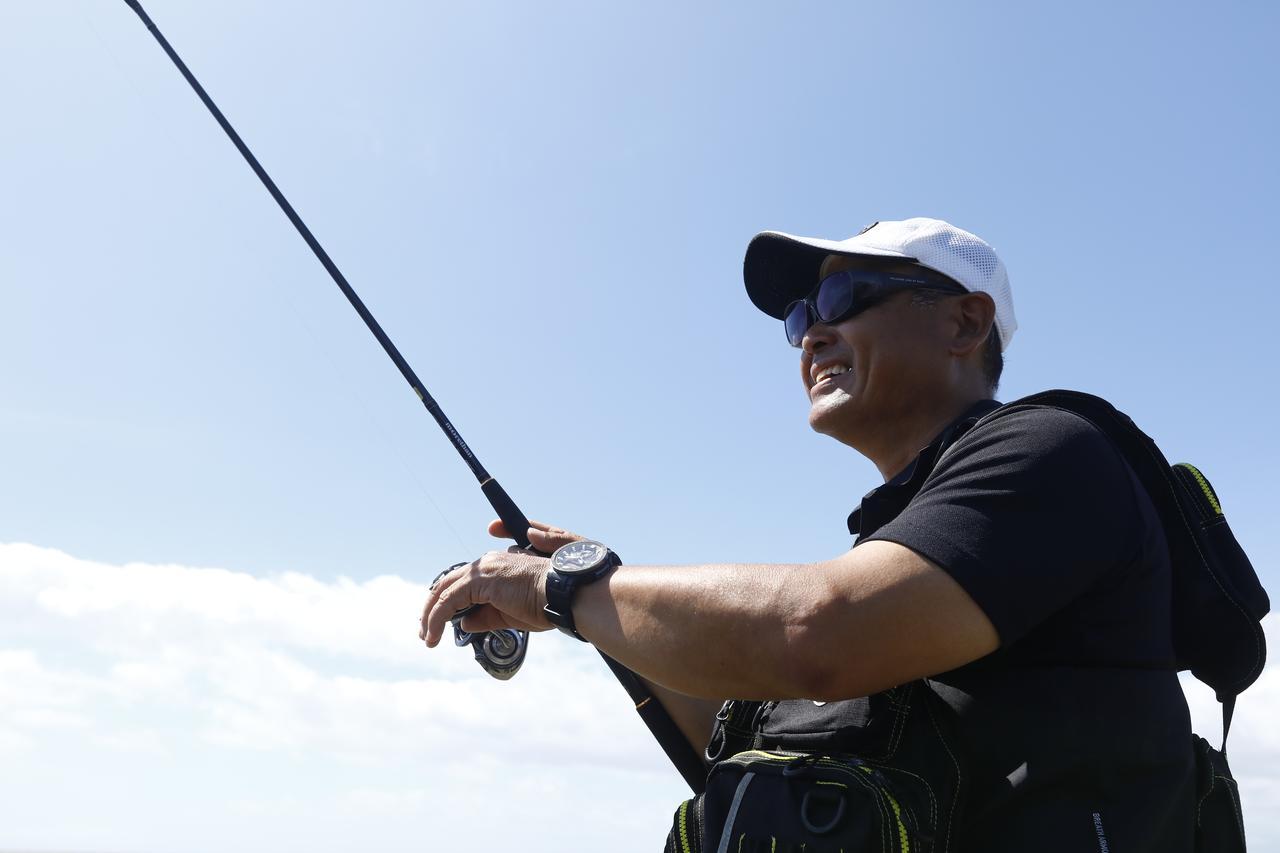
{"x": 832, "y": 413}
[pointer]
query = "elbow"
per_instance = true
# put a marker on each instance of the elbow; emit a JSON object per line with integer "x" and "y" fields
{"x": 822, "y": 661}
{"x": 824, "y": 674}
{"x": 838, "y": 684}
{"x": 838, "y": 649}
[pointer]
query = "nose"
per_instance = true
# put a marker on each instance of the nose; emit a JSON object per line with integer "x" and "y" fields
{"x": 816, "y": 338}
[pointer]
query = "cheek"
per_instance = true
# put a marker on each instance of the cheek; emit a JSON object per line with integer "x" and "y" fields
{"x": 889, "y": 348}
{"x": 906, "y": 350}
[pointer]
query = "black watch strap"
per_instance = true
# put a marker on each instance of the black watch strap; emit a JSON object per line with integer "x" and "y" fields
{"x": 559, "y": 606}
{"x": 563, "y": 586}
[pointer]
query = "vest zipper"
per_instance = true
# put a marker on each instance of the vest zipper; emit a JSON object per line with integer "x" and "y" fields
{"x": 1202, "y": 494}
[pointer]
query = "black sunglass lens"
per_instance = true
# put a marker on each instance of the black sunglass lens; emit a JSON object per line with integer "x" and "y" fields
{"x": 796, "y": 320}
{"x": 835, "y": 297}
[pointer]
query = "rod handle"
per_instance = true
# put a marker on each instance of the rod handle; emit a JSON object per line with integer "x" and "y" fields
{"x": 512, "y": 518}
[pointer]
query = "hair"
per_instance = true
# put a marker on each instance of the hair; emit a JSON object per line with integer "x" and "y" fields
{"x": 992, "y": 356}
{"x": 992, "y": 359}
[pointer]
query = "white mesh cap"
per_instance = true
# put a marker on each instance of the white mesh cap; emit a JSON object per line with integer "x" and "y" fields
{"x": 780, "y": 268}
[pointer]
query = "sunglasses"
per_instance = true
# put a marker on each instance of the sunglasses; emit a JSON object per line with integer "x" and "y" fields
{"x": 846, "y": 294}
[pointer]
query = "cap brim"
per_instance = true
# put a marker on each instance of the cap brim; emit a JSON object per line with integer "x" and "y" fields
{"x": 781, "y": 268}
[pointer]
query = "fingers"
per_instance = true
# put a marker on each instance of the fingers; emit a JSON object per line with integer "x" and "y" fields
{"x": 490, "y": 619}
{"x": 499, "y": 529}
{"x": 542, "y": 536}
{"x": 443, "y": 601}
{"x": 440, "y": 614}
{"x": 512, "y": 586}
{"x": 482, "y": 618}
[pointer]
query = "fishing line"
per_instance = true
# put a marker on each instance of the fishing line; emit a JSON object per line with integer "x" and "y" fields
{"x": 500, "y": 652}
{"x": 286, "y": 297}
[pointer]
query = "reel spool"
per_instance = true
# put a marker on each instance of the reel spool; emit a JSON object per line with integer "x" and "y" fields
{"x": 499, "y": 653}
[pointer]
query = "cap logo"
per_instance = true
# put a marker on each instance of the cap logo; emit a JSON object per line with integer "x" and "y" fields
{"x": 868, "y": 228}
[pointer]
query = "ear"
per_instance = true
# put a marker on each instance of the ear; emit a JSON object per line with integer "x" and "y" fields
{"x": 972, "y": 315}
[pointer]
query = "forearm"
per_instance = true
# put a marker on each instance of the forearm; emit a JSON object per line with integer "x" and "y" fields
{"x": 708, "y": 631}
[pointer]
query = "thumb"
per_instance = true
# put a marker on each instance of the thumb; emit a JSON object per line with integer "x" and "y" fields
{"x": 542, "y": 536}
{"x": 550, "y": 539}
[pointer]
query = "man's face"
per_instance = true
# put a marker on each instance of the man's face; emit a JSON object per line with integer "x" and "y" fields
{"x": 894, "y": 356}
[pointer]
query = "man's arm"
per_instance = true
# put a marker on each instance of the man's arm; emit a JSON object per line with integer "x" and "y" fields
{"x": 875, "y": 617}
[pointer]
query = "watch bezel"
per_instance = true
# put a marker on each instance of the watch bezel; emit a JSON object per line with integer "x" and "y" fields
{"x": 575, "y": 569}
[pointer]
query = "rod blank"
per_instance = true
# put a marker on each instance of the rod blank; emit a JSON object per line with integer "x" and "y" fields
{"x": 656, "y": 718}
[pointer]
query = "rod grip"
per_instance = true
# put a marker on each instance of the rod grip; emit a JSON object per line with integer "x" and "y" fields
{"x": 512, "y": 518}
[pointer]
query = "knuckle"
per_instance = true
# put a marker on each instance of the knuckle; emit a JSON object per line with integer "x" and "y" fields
{"x": 450, "y": 596}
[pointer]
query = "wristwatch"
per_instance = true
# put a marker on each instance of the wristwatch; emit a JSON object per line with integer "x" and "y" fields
{"x": 573, "y": 565}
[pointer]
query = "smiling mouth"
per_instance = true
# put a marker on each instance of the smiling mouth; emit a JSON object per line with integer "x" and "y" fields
{"x": 829, "y": 373}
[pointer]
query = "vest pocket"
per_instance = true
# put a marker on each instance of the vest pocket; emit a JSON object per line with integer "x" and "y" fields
{"x": 784, "y": 801}
{"x": 870, "y": 726}
{"x": 1219, "y": 821}
{"x": 884, "y": 772}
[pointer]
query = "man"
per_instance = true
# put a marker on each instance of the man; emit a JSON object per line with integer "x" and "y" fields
{"x": 1025, "y": 575}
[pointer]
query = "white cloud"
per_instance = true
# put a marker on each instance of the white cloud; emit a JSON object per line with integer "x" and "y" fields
{"x": 320, "y": 688}
{"x": 275, "y": 663}
{"x": 171, "y": 707}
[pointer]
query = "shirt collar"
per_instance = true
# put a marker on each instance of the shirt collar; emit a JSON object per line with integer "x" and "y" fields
{"x": 883, "y": 503}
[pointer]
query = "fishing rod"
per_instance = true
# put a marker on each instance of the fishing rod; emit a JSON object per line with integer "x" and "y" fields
{"x": 500, "y": 653}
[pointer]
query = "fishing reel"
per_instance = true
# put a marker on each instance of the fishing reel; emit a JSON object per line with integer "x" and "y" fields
{"x": 499, "y": 653}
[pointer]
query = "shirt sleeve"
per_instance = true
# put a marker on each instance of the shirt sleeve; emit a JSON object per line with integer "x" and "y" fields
{"x": 1026, "y": 513}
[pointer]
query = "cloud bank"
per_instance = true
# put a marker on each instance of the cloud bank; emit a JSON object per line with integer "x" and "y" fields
{"x": 136, "y": 682}
{"x": 163, "y": 707}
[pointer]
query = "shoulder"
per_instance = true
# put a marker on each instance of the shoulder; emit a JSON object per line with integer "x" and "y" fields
{"x": 1026, "y": 511}
{"x": 1034, "y": 457}
{"x": 1037, "y": 437}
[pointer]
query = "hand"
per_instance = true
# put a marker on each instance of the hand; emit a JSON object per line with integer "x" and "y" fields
{"x": 509, "y": 587}
{"x": 518, "y": 604}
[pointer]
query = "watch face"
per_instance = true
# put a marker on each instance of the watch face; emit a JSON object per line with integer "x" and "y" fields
{"x": 578, "y": 557}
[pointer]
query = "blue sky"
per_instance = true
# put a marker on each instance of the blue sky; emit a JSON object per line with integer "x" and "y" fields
{"x": 546, "y": 206}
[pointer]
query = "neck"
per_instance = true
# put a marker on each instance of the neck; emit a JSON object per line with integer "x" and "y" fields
{"x": 895, "y": 447}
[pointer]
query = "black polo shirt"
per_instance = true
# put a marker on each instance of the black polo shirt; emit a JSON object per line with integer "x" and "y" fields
{"x": 1077, "y": 727}
{"x": 1077, "y": 732}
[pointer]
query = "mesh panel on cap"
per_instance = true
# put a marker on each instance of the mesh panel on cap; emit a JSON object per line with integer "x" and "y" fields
{"x": 963, "y": 247}
{"x": 967, "y": 259}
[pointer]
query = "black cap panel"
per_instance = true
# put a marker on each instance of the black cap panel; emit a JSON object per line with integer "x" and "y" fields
{"x": 779, "y": 269}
